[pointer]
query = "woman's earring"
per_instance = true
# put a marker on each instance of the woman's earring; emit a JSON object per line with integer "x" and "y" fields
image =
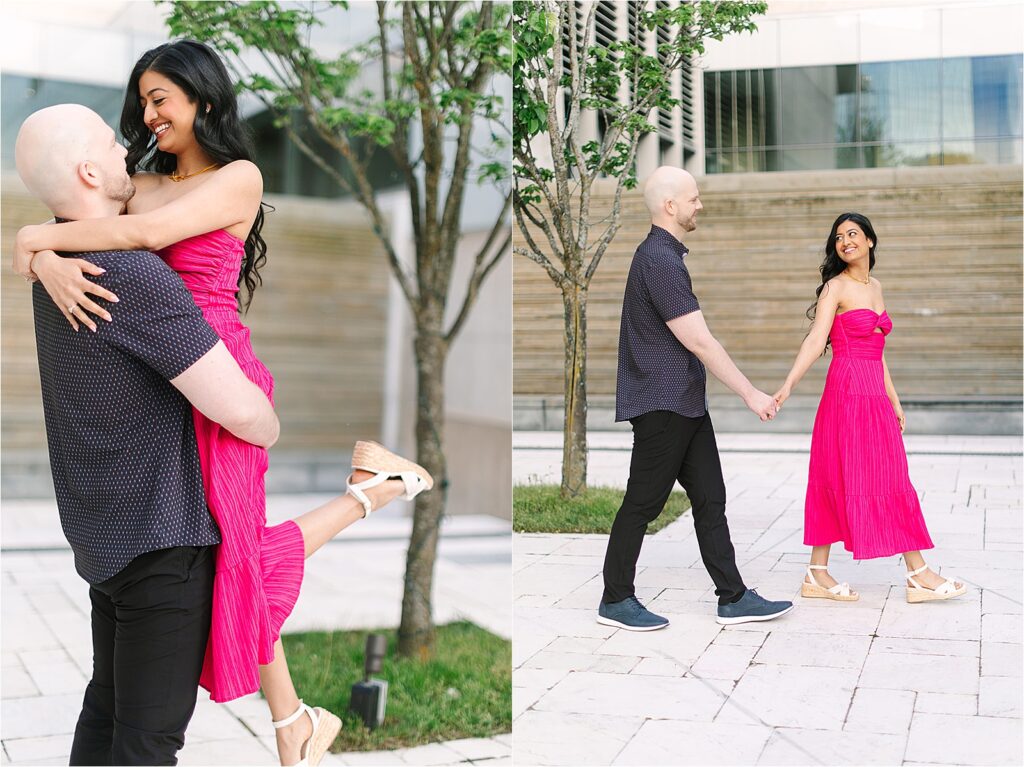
{"x": 208, "y": 108}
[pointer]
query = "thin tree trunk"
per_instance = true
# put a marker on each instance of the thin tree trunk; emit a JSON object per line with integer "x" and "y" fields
{"x": 574, "y": 446}
{"x": 416, "y": 631}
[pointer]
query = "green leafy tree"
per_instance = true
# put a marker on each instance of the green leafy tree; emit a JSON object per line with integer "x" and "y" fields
{"x": 558, "y": 75}
{"x": 437, "y": 63}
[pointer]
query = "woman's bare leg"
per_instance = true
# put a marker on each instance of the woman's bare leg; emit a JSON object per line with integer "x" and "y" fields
{"x": 318, "y": 526}
{"x": 324, "y": 522}
{"x": 283, "y": 701}
{"x": 819, "y": 556}
{"x": 928, "y": 579}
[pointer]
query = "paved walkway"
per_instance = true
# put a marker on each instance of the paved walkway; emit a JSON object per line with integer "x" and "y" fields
{"x": 878, "y": 681}
{"x": 355, "y": 582}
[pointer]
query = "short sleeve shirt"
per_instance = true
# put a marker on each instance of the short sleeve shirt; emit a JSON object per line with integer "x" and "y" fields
{"x": 656, "y": 372}
{"x": 122, "y": 442}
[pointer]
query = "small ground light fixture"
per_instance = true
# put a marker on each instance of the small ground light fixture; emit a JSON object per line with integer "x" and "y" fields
{"x": 370, "y": 696}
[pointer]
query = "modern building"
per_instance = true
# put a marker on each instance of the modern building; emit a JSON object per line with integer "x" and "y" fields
{"x": 824, "y": 86}
{"x": 329, "y": 321}
{"x": 906, "y": 110}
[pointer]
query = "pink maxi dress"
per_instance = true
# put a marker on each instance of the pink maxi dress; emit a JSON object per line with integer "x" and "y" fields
{"x": 259, "y": 569}
{"x": 858, "y": 488}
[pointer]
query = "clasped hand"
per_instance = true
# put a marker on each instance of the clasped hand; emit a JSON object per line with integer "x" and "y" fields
{"x": 65, "y": 282}
{"x": 763, "y": 406}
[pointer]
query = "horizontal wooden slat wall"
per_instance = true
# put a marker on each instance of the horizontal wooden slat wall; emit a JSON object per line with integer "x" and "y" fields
{"x": 318, "y": 323}
{"x": 949, "y": 259}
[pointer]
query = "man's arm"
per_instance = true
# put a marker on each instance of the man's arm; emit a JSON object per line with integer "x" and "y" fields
{"x": 692, "y": 332}
{"x": 218, "y": 389}
{"x": 157, "y": 322}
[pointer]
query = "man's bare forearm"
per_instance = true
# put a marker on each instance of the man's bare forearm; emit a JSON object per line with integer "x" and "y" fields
{"x": 218, "y": 389}
{"x": 261, "y": 428}
{"x": 718, "y": 362}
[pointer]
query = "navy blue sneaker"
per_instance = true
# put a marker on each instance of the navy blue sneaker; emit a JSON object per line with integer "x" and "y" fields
{"x": 752, "y": 607}
{"x": 629, "y": 614}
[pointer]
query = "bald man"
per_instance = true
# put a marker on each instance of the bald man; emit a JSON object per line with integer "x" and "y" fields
{"x": 664, "y": 348}
{"x": 118, "y": 409}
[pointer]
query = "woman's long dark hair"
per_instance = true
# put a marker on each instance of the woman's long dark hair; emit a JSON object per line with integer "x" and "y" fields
{"x": 833, "y": 265}
{"x": 200, "y": 73}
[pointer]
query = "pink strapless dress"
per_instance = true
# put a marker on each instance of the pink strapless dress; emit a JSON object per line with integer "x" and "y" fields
{"x": 858, "y": 488}
{"x": 258, "y": 568}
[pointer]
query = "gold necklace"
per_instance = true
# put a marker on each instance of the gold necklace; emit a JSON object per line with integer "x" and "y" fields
{"x": 179, "y": 177}
{"x": 862, "y": 282}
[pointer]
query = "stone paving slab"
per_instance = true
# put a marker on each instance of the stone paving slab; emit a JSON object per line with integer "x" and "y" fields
{"x": 688, "y": 743}
{"x": 953, "y": 739}
{"x": 557, "y": 738}
{"x": 878, "y": 681}
{"x": 47, "y": 646}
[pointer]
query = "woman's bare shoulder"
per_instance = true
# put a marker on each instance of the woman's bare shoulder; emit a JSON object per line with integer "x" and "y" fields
{"x": 237, "y": 176}
{"x": 243, "y": 166}
{"x": 245, "y": 171}
{"x": 835, "y": 285}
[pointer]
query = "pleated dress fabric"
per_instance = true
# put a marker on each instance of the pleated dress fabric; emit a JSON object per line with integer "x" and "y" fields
{"x": 858, "y": 488}
{"x": 259, "y": 569}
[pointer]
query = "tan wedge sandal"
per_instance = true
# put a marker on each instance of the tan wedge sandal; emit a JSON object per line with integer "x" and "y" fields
{"x": 326, "y": 727}
{"x": 385, "y": 465}
{"x": 918, "y": 593}
{"x": 840, "y": 592}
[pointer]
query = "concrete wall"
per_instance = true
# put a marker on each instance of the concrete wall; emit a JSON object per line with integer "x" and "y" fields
{"x": 949, "y": 258}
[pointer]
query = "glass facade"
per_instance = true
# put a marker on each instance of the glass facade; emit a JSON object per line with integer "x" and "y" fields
{"x": 931, "y": 112}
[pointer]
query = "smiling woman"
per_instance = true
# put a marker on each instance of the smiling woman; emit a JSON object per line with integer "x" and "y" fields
{"x": 180, "y": 93}
{"x": 858, "y": 488}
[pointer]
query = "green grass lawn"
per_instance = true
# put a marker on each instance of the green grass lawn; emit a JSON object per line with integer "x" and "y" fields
{"x": 464, "y": 692}
{"x": 541, "y": 509}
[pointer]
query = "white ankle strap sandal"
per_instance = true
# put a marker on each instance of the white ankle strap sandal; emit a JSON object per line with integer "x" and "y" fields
{"x": 385, "y": 465}
{"x": 325, "y": 729}
{"x": 918, "y": 593}
{"x": 841, "y": 592}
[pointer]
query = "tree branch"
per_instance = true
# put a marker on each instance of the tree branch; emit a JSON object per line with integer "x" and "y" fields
{"x": 480, "y": 272}
{"x": 529, "y": 163}
{"x": 399, "y": 146}
{"x": 613, "y": 227}
{"x": 369, "y": 203}
{"x": 533, "y": 255}
{"x": 520, "y": 211}
{"x": 433, "y": 157}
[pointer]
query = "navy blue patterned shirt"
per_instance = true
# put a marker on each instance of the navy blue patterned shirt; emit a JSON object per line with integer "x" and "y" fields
{"x": 656, "y": 372}
{"x": 122, "y": 444}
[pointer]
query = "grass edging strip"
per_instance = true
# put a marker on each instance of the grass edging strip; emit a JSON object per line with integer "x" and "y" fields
{"x": 541, "y": 509}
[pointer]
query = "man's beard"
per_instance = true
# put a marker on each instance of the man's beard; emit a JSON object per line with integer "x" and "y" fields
{"x": 121, "y": 192}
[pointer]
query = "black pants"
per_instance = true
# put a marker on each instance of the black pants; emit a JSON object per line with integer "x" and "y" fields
{"x": 150, "y": 625}
{"x": 669, "y": 447}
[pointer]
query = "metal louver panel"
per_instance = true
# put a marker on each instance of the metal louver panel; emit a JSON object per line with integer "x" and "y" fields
{"x": 606, "y": 29}
{"x": 687, "y": 107}
{"x": 636, "y": 36}
{"x": 580, "y": 15}
{"x": 665, "y": 127}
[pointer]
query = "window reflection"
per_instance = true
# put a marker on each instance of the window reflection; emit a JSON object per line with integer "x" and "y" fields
{"x": 930, "y": 112}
